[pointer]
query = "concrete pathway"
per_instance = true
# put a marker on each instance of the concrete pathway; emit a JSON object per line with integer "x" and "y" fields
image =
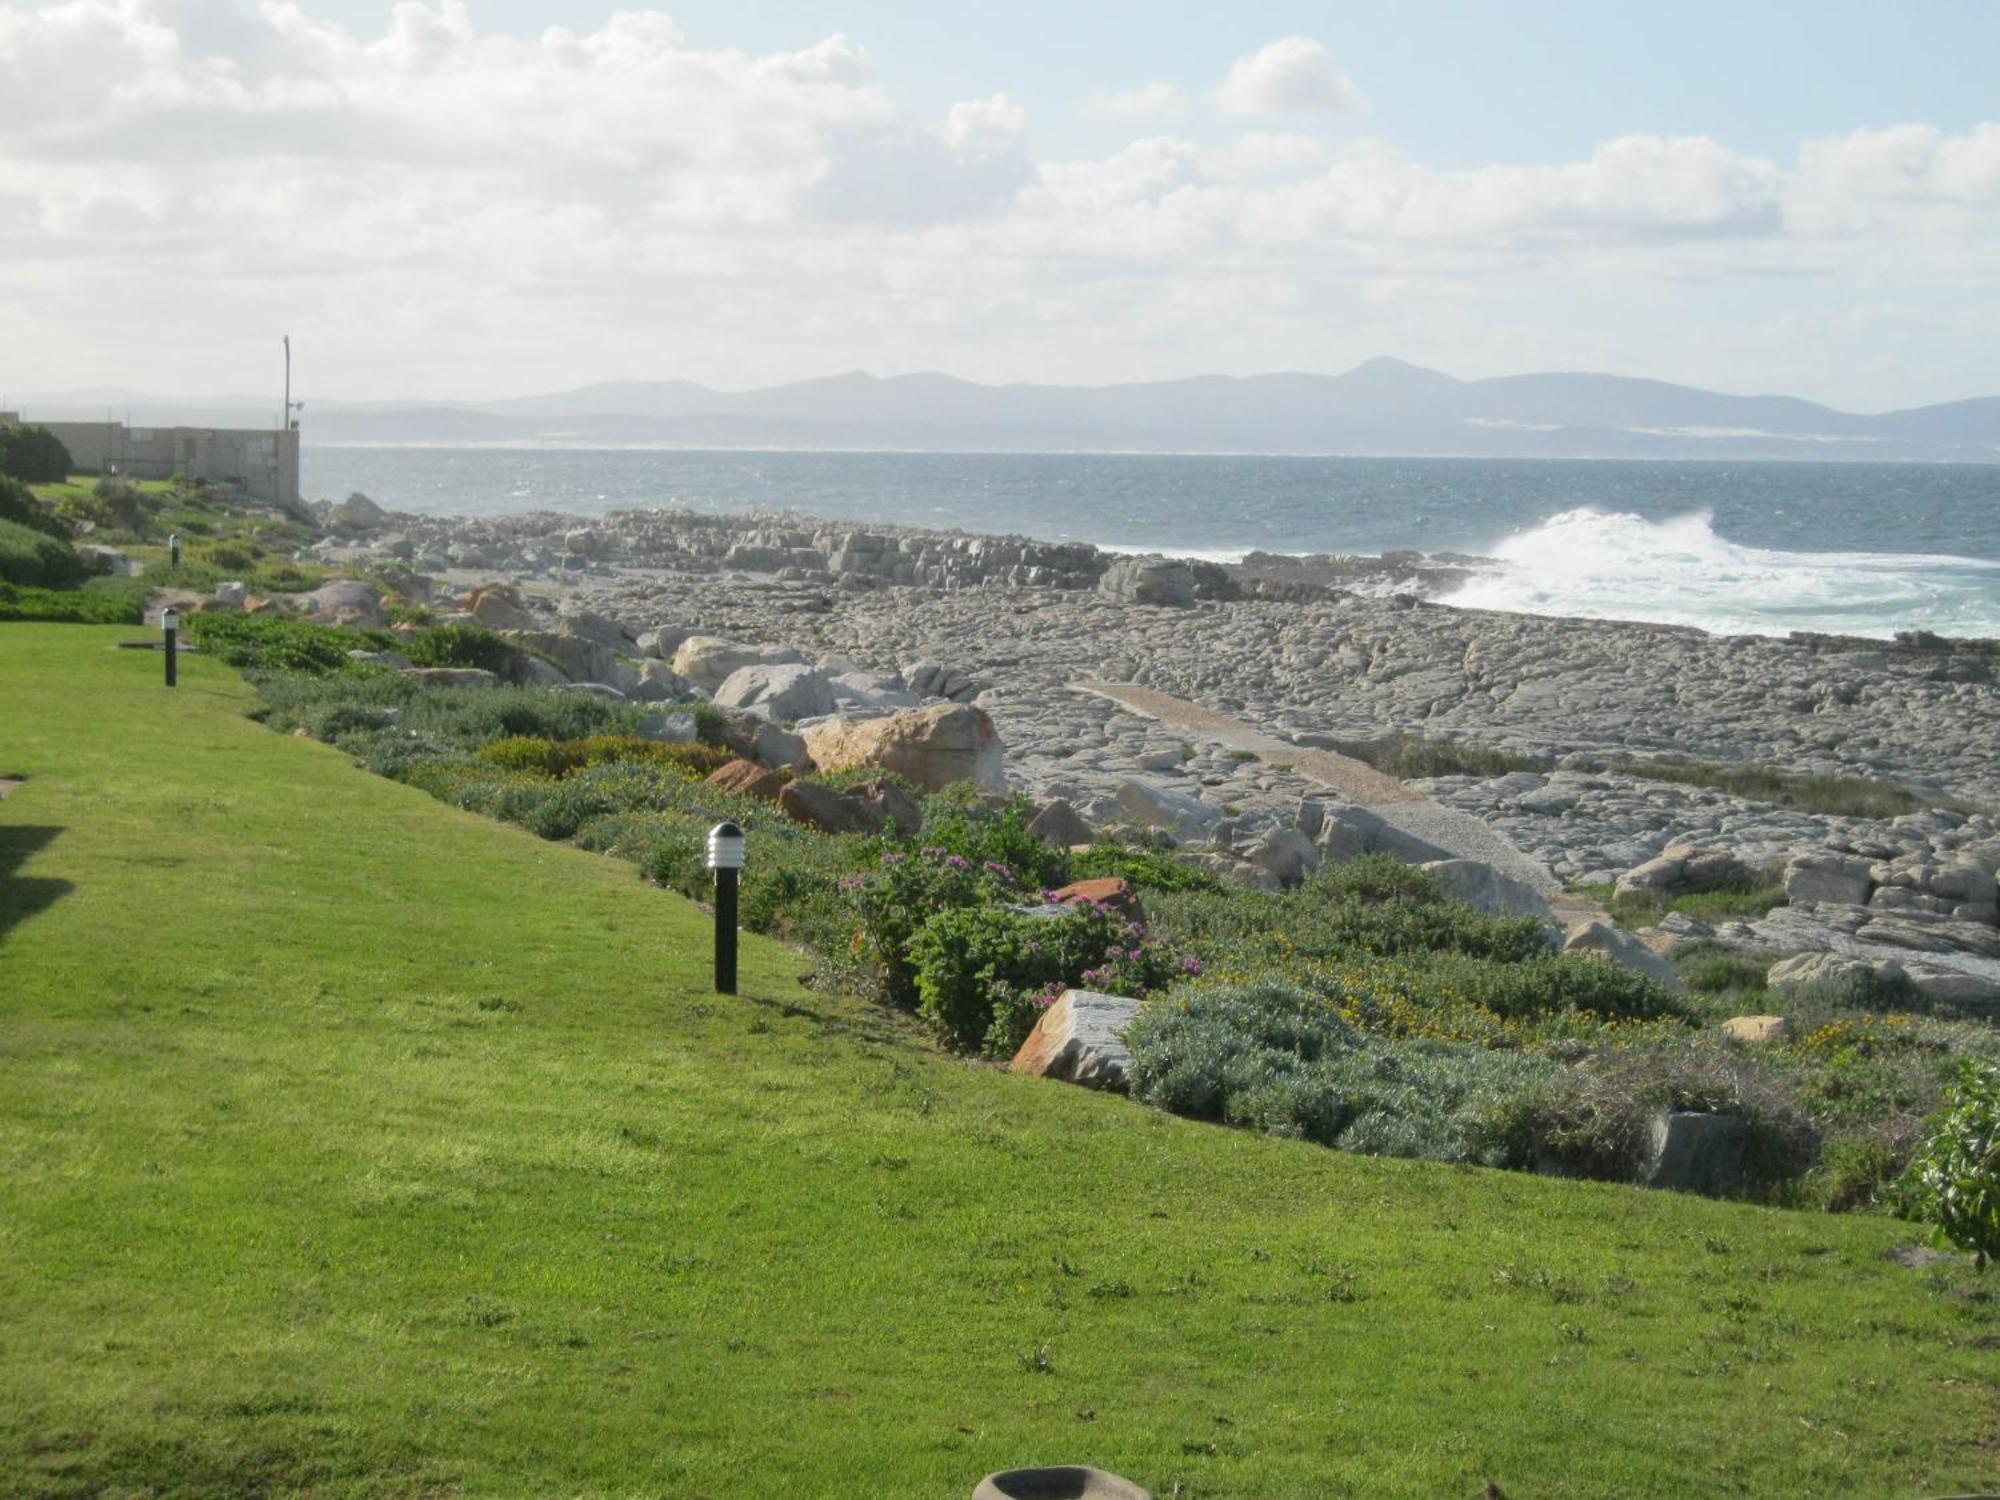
{"x": 1457, "y": 835}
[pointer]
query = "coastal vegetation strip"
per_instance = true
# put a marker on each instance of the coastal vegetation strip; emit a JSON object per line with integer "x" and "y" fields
{"x": 409, "y": 1153}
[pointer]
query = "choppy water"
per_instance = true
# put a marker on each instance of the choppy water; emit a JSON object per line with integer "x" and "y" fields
{"x": 1865, "y": 549}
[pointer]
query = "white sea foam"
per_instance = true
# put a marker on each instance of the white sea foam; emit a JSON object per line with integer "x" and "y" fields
{"x": 1611, "y": 565}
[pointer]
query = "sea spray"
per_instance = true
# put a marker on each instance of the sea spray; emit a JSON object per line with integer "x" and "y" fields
{"x": 1678, "y": 571}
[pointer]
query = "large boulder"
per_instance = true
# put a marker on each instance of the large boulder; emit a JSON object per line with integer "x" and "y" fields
{"x": 1479, "y": 885}
{"x": 1829, "y": 879}
{"x": 897, "y": 804}
{"x": 1287, "y": 854}
{"x": 830, "y": 811}
{"x": 499, "y": 608}
{"x": 745, "y": 778}
{"x": 1622, "y": 948}
{"x": 1187, "y": 818}
{"x": 343, "y": 601}
{"x": 1692, "y": 1152}
{"x": 932, "y": 747}
{"x": 580, "y": 659}
{"x": 1149, "y": 580}
{"x": 357, "y": 514}
{"x": 1060, "y": 824}
{"x": 1081, "y": 1039}
{"x": 707, "y": 660}
{"x": 573, "y": 619}
{"x": 786, "y": 691}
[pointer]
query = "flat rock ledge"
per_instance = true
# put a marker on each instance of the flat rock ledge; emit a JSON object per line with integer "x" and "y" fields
{"x": 1081, "y": 1039}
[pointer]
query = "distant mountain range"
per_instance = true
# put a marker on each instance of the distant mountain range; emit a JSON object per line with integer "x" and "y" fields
{"x": 1384, "y": 406}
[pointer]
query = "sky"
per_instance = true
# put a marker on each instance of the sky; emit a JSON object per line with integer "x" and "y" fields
{"x": 482, "y": 198}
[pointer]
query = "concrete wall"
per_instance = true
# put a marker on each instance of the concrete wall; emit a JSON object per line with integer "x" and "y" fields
{"x": 265, "y": 463}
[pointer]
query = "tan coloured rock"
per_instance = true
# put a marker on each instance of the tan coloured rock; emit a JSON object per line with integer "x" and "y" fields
{"x": 1760, "y": 1029}
{"x": 1081, "y": 1039}
{"x": 745, "y": 778}
{"x": 933, "y": 747}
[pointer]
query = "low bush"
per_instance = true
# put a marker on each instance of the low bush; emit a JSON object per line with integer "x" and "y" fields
{"x": 1277, "y": 1059}
{"x": 84, "y": 606}
{"x": 988, "y": 834}
{"x": 541, "y": 757}
{"x": 280, "y": 644}
{"x": 983, "y": 974}
{"x": 1597, "y": 1123}
{"x": 1953, "y": 1180}
{"x": 36, "y": 559}
{"x": 463, "y": 645}
{"x": 1372, "y": 906}
{"x": 355, "y": 711}
{"x": 1142, "y": 869}
{"x": 19, "y": 505}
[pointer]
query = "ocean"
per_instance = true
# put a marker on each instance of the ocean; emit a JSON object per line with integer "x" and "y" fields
{"x": 1753, "y": 548}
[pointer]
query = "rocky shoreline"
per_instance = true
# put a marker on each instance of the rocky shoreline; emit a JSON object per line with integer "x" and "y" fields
{"x": 1335, "y": 653}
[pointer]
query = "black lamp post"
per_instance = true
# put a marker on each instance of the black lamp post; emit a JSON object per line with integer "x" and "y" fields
{"x": 170, "y": 622}
{"x": 725, "y": 857}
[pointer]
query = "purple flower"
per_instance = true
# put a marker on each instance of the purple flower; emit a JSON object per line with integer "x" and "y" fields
{"x": 1190, "y": 964}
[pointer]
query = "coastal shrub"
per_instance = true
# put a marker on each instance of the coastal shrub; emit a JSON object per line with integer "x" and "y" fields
{"x": 1277, "y": 1059}
{"x": 1953, "y": 1180}
{"x": 983, "y": 974}
{"x": 1547, "y": 984}
{"x": 19, "y": 505}
{"x": 464, "y": 646}
{"x": 84, "y": 606}
{"x": 540, "y": 757}
{"x": 992, "y": 834}
{"x": 232, "y": 557}
{"x": 1711, "y": 969}
{"x": 907, "y": 888}
{"x": 458, "y": 719}
{"x": 35, "y": 559}
{"x": 32, "y": 453}
{"x": 1142, "y": 869}
{"x": 1371, "y": 906}
{"x": 1596, "y": 1123}
{"x": 278, "y": 643}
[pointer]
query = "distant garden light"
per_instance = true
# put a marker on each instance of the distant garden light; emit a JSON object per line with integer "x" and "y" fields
{"x": 725, "y": 857}
{"x": 174, "y": 550}
{"x": 170, "y": 623}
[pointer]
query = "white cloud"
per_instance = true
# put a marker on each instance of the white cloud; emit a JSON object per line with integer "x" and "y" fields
{"x": 1294, "y": 75}
{"x": 445, "y": 208}
{"x": 1157, "y": 100}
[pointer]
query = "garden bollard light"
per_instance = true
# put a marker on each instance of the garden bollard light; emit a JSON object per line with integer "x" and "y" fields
{"x": 174, "y": 550}
{"x": 170, "y": 622}
{"x": 725, "y": 857}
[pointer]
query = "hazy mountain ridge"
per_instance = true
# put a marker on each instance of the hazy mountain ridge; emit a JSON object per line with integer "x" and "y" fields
{"x": 1384, "y": 406}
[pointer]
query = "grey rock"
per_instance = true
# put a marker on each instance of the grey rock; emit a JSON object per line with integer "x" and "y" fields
{"x": 1287, "y": 854}
{"x": 1691, "y": 1152}
{"x": 782, "y": 692}
{"x": 1187, "y": 818}
{"x": 235, "y": 595}
{"x": 706, "y": 660}
{"x": 1834, "y": 878}
{"x": 1149, "y": 580}
{"x": 1479, "y": 885}
{"x": 1060, "y": 824}
{"x": 1623, "y": 948}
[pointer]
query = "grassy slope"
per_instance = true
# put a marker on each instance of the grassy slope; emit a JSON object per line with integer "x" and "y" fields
{"x": 356, "y": 1145}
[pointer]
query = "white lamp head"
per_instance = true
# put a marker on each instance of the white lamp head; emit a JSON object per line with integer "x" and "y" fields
{"x": 170, "y": 619}
{"x": 725, "y": 847}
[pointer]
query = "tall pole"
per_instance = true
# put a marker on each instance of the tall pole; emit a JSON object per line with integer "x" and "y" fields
{"x": 287, "y": 423}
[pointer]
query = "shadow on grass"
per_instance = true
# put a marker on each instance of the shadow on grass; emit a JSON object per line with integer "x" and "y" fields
{"x": 20, "y": 896}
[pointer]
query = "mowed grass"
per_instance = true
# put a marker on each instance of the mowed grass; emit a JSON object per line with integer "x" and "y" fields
{"x": 356, "y": 1146}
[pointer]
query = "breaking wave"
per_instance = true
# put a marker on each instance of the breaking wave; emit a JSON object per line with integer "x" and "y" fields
{"x": 1613, "y": 565}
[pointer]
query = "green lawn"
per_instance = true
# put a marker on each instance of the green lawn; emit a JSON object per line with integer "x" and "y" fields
{"x": 356, "y": 1146}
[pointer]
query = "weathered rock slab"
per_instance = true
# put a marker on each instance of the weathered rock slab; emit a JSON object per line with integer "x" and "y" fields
{"x": 1081, "y": 1039}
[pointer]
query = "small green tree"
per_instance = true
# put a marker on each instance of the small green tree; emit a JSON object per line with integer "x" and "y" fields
{"x": 33, "y": 454}
{"x": 1953, "y": 1181}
